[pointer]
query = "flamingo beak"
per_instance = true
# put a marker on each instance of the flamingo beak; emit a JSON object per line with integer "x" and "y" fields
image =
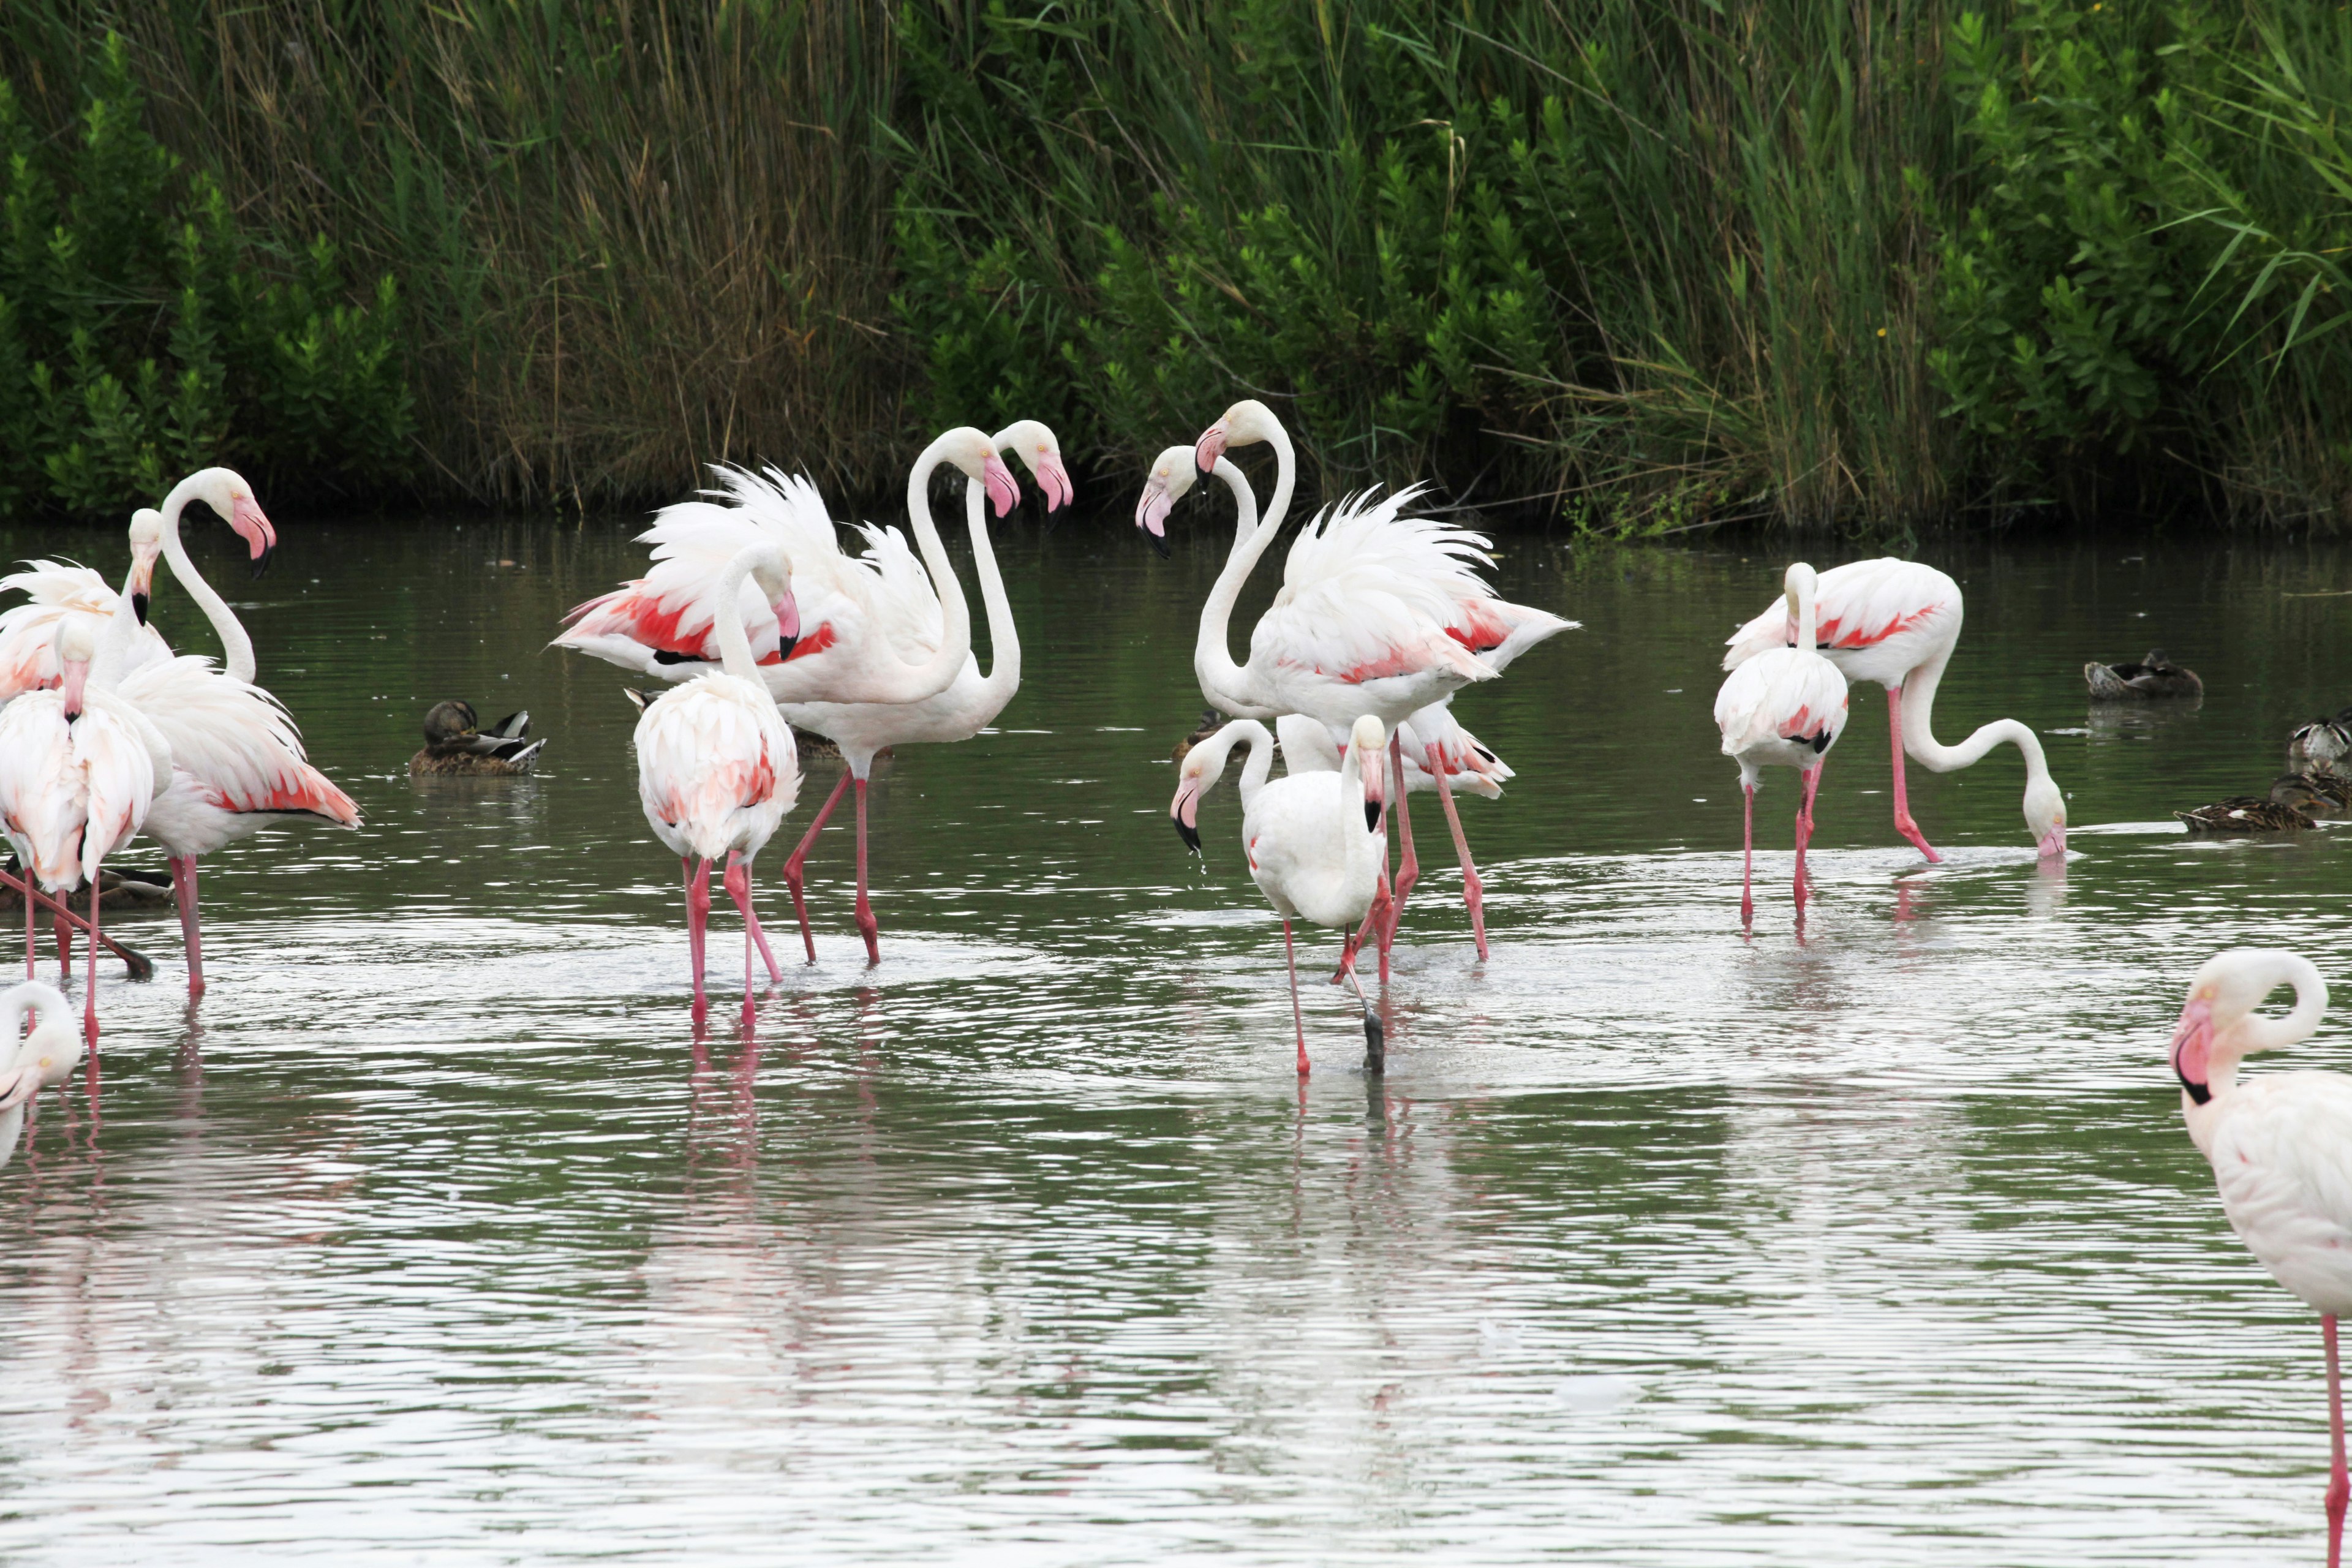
{"x": 1184, "y": 811}
{"x": 1209, "y": 448}
{"x": 1055, "y": 480}
{"x": 143, "y": 586}
{"x": 77, "y": 678}
{"x": 788, "y": 624}
{"x": 2192, "y": 1047}
{"x": 1151, "y": 513}
{"x": 2054, "y": 843}
{"x": 1002, "y": 493}
{"x": 246, "y": 516}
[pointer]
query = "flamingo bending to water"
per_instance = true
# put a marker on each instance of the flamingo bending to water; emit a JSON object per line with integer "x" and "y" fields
{"x": 1897, "y": 623}
{"x": 1313, "y": 849}
{"x": 970, "y": 701}
{"x": 716, "y": 768}
{"x": 2280, "y": 1149}
{"x": 42, "y": 1060}
{"x": 1785, "y": 706}
{"x": 79, "y": 770}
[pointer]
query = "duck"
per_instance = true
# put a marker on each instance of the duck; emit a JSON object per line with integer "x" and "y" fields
{"x": 2316, "y": 794}
{"x": 808, "y": 742}
{"x": 457, "y": 744}
{"x": 2320, "y": 745}
{"x": 128, "y": 886}
{"x": 2245, "y": 813}
{"x": 2154, "y": 676}
{"x": 1211, "y": 722}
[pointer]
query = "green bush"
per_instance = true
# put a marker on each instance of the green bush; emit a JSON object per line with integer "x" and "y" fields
{"x": 142, "y": 334}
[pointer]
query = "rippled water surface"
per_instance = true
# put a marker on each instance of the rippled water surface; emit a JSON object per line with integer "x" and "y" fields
{"x": 440, "y": 1234}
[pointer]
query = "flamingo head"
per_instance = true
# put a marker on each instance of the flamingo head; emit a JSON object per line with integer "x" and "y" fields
{"x": 1200, "y": 770}
{"x": 1369, "y": 743}
{"x": 52, "y": 1051}
{"x": 1170, "y": 480}
{"x": 974, "y": 452}
{"x": 77, "y": 645}
{"x": 1037, "y": 446}
{"x": 771, "y": 572}
{"x": 1245, "y": 424}
{"x": 226, "y": 491}
{"x": 2217, "y": 1025}
{"x": 146, "y": 546}
{"x": 2045, "y": 817}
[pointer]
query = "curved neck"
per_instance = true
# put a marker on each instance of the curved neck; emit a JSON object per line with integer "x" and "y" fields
{"x": 727, "y": 621}
{"x": 106, "y": 667}
{"x": 1808, "y": 618}
{"x": 236, "y": 649}
{"x": 1003, "y": 642}
{"x": 955, "y": 626}
{"x": 1222, "y": 681}
{"x": 1219, "y": 747}
{"x": 2262, "y": 1034}
{"x": 1919, "y": 738}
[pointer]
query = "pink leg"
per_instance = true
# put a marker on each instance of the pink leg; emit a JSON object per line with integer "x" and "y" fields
{"x": 2339, "y": 1485}
{"x": 800, "y": 856}
{"x": 1748, "y": 863}
{"x": 183, "y": 887}
{"x": 739, "y": 888}
{"x": 698, "y": 917}
{"x": 33, "y": 896}
{"x": 1298, "y": 1018}
{"x": 89, "y": 984}
{"x": 867, "y": 926}
{"x": 32, "y": 939}
{"x": 1472, "y": 889}
{"x": 64, "y": 934}
{"x": 1903, "y": 823}
{"x": 1805, "y": 829}
{"x": 1354, "y": 944}
{"x": 1408, "y": 863}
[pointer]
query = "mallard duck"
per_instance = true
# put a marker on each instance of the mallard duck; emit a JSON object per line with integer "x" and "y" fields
{"x": 806, "y": 743}
{"x": 1211, "y": 722}
{"x": 457, "y": 744}
{"x": 2315, "y": 794}
{"x": 2245, "y": 814}
{"x": 2154, "y": 676}
{"x": 2321, "y": 744}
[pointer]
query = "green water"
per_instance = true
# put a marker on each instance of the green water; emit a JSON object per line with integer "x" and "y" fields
{"x": 438, "y": 1232}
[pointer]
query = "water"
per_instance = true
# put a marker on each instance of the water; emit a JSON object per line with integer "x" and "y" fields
{"x": 440, "y": 1235}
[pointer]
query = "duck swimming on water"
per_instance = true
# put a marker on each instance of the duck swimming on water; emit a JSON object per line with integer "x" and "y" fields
{"x": 2315, "y": 793}
{"x": 2154, "y": 676}
{"x": 457, "y": 744}
{"x": 2245, "y": 814}
{"x": 2321, "y": 745}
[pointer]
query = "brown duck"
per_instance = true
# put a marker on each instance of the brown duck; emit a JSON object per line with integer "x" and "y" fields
{"x": 2321, "y": 746}
{"x": 2245, "y": 814}
{"x": 2154, "y": 676}
{"x": 456, "y": 744}
{"x": 2315, "y": 794}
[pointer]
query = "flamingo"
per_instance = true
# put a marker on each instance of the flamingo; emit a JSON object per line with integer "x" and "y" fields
{"x": 1313, "y": 849}
{"x": 716, "y": 768}
{"x": 969, "y": 704}
{"x": 1786, "y": 705}
{"x": 43, "y": 1059}
{"x": 843, "y": 631}
{"x": 79, "y": 770}
{"x": 1897, "y": 623}
{"x": 238, "y": 761}
{"x": 2281, "y": 1148}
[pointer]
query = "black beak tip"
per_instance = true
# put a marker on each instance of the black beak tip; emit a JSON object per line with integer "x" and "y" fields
{"x": 261, "y": 561}
{"x": 139, "y": 608}
{"x": 1188, "y": 834}
{"x": 1159, "y": 545}
{"x": 1371, "y": 816}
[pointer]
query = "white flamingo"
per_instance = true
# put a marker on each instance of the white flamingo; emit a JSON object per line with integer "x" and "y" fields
{"x": 1313, "y": 849}
{"x": 79, "y": 769}
{"x": 238, "y": 761}
{"x": 970, "y": 702}
{"x": 42, "y": 1060}
{"x": 716, "y": 766}
{"x": 1897, "y": 623}
{"x": 1785, "y": 706}
{"x": 844, "y": 632}
{"x": 2280, "y": 1149}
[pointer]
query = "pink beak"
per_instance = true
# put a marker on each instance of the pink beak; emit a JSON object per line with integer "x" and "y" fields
{"x": 253, "y": 527}
{"x": 1209, "y": 448}
{"x": 1151, "y": 511}
{"x": 76, "y": 677}
{"x": 788, "y": 620}
{"x": 2053, "y": 844}
{"x": 1059, "y": 492}
{"x": 2193, "y": 1045}
{"x": 1185, "y": 810}
{"x": 1002, "y": 493}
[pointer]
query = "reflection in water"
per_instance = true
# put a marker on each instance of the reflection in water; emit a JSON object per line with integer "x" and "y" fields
{"x": 442, "y": 1221}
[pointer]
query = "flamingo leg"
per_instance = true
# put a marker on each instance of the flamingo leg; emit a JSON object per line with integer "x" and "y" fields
{"x": 1805, "y": 829}
{"x": 1903, "y": 823}
{"x": 1408, "y": 863}
{"x": 184, "y": 889}
{"x": 1747, "y": 862}
{"x": 32, "y": 943}
{"x": 1472, "y": 889}
{"x": 137, "y": 964}
{"x": 800, "y": 856}
{"x": 1298, "y": 1018}
{"x": 739, "y": 888}
{"x": 89, "y": 982}
{"x": 64, "y": 934}
{"x": 1354, "y": 944}
{"x": 2339, "y": 1485}
{"x": 867, "y": 926}
{"x": 698, "y": 916}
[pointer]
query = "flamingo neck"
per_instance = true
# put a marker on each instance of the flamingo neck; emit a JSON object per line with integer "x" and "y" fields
{"x": 734, "y": 641}
{"x": 1219, "y": 750}
{"x": 955, "y": 628}
{"x": 1919, "y": 738}
{"x": 1004, "y": 639}
{"x": 1223, "y": 682}
{"x": 1356, "y": 796}
{"x": 237, "y": 647}
{"x": 105, "y": 666}
{"x": 1808, "y": 619}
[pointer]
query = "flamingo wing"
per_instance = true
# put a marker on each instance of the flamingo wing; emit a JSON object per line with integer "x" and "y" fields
{"x": 2282, "y": 1160}
{"x": 1861, "y": 604}
{"x": 1790, "y": 695}
{"x": 716, "y": 765}
{"x": 234, "y": 741}
{"x": 57, "y": 591}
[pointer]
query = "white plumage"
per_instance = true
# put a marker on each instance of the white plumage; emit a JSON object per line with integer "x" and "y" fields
{"x": 42, "y": 1060}
{"x": 56, "y": 590}
{"x": 1785, "y": 708}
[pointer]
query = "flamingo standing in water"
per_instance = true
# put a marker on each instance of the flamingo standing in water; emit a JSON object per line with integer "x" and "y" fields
{"x": 79, "y": 770}
{"x": 42, "y": 1060}
{"x": 2280, "y": 1149}
{"x": 1897, "y": 623}
{"x": 1785, "y": 706}
{"x": 716, "y": 767}
{"x": 970, "y": 702}
{"x": 237, "y": 762}
{"x": 1313, "y": 849}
